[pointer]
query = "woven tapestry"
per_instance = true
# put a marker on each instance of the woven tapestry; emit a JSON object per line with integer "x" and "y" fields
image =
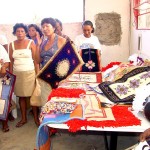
{"x": 123, "y": 89}
{"x": 63, "y": 64}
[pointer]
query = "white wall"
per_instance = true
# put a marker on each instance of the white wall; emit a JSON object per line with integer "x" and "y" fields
{"x": 118, "y": 52}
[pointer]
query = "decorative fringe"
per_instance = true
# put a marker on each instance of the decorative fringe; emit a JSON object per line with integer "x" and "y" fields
{"x": 63, "y": 92}
{"x": 123, "y": 117}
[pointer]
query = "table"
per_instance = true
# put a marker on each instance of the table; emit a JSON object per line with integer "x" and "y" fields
{"x": 114, "y": 131}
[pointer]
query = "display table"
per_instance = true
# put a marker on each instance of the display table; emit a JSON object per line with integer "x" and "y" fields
{"x": 139, "y": 128}
{"x": 92, "y": 116}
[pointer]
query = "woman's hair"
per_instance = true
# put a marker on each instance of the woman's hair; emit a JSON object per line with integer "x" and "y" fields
{"x": 19, "y": 25}
{"x": 57, "y": 20}
{"x": 89, "y": 23}
{"x": 50, "y": 20}
{"x": 147, "y": 111}
{"x": 36, "y": 28}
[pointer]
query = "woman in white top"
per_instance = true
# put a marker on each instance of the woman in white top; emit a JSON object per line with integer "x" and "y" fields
{"x": 4, "y": 64}
{"x": 3, "y": 41}
{"x": 87, "y": 39}
{"x": 24, "y": 66}
{"x": 89, "y": 48}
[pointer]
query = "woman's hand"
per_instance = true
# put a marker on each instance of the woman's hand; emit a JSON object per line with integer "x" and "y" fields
{"x": 145, "y": 135}
{"x": 2, "y": 71}
{"x": 39, "y": 40}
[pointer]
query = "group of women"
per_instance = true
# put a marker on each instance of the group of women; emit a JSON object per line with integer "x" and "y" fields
{"x": 28, "y": 55}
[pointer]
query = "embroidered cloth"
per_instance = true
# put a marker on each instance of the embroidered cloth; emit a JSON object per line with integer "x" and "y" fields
{"x": 85, "y": 109}
{"x": 6, "y": 89}
{"x": 123, "y": 89}
{"x": 91, "y": 57}
{"x": 63, "y": 64}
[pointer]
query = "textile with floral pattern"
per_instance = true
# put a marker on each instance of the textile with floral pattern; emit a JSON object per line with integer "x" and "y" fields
{"x": 91, "y": 58}
{"x": 123, "y": 89}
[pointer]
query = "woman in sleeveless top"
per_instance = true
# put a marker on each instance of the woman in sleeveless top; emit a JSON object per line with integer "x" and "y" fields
{"x": 46, "y": 49}
{"x": 24, "y": 66}
{"x": 51, "y": 44}
{"x": 4, "y": 64}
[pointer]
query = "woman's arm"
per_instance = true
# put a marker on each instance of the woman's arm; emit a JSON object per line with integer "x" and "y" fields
{"x": 34, "y": 51}
{"x": 37, "y": 55}
{"x": 145, "y": 135}
{"x": 61, "y": 42}
{"x": 11, "y": 58}
{"x": 3, "y": 69}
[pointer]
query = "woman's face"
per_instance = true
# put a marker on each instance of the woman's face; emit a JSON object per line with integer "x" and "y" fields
{"x": 32, "y": 32}
{"x": 87, "y": 30}
{"x": 58, "y": 28}
{"x": 47, "y": 29}
{"x": 20, "y": 33}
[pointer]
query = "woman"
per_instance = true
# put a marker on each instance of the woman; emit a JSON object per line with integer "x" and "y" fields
{"x": 24, "y": 66}
{"x": 48, "y": 48}
{"x": 89, "y": 48}
{"x": 4, "y": 64}
{"x": 59, "y": 30}
{"x": 87, "y": 39}
{"x": 52, "y": 44}
{"x": 34, "y": 33}
{"x": 4, "y": 42}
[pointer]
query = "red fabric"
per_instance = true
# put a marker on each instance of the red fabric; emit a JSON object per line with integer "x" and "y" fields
{"x": 110, "y": 65}
{"x": 136, "y": 11}
{"x": 122, "y": 115}
{"x": 62, "y": 92}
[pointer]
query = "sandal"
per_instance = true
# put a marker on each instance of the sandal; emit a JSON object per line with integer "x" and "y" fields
{"x": 5, "y": 129}
{"x": 20, "y": 124}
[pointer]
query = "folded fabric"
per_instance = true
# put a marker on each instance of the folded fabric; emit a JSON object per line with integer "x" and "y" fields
{"x": 63, "y": 64}
{"x": 123, "y": 89}
{"x": 58, "y": 107}
{"x": 43, "y": 136}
